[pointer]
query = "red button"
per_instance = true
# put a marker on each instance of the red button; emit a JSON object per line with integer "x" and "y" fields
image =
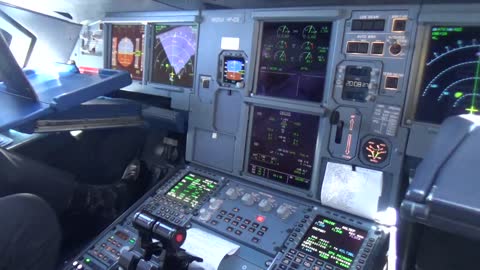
{"x": 179, "y": 238}
{"x": 260, "y": 219}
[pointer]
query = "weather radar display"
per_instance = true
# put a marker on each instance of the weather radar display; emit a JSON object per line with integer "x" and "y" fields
{"x": 174, "y": 55}
{"x": 451, "y": 78}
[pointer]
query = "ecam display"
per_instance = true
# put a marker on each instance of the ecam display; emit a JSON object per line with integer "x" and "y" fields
{"x": 282, "y": 146}
{"x": 293, "y": 60}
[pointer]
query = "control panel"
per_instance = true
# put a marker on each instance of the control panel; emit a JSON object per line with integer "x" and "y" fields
{"x": 252, "y": 216}
{"x": 326, "y": 240}
{"x": 270, "y": 224}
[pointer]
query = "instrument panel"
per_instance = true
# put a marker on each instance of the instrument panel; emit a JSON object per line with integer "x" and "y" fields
{"x": 275, "y": 95}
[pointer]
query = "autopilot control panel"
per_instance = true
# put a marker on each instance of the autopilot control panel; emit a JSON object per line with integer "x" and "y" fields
{"x": 300, "y": 121}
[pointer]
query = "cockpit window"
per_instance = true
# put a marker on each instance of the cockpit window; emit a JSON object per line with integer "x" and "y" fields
{"x": 20, "y": 40}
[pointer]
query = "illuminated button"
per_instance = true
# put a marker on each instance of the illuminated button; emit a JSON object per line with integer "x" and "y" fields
{"x": 362, "y": 47}
{"x": 238, "y": 232}
{"x": 214, "y": 222}
{"x": 234, "y": 223}
{"x": 255, "y": 240}
{"x": 377, "y": 48}
{"x": 252, "y": 230}
{"x": 223, "y": 212}
{"x": 247, "y": 221}
{"x": 236, "y": 209}
{"x": 292, "y": 251}
{"x": 260, "y": 219}
{"x": 243, "y": 226}
{"x": 260, "y": 233}
{"x": 399, "y": 25}
{"x": 227, "y": 220}
{"x": 298, "y": 260}
{"x": 238, "y": 218}
{"x": 255, "y": 225}
{"x": 310, "y": 259}
{"x": 230, "y": 229}
{"x": 219, "y": 216}
{"x": 328, "y": 267}
{"x": 231, "y": 215}
{"x": 317, "y": 267}
{"x": 391, "y": 83}
{"x": 352, "y": 47}
{"x": 301, "y": 255}
{"x": 79, "y": 267}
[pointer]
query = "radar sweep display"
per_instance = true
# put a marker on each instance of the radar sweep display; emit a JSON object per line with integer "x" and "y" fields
{"x": 174, "y": 54}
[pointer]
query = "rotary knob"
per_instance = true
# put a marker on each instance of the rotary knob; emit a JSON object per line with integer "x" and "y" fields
{"x": 204, "y": 215}
{"x": 248, "y": 199}
{"x": 395, "y": 49}
{"x": 232, "y": 193}
{"x": 284, "y": 211}
{"x": 215, "y": 204}
{"x": 265, "y": 205}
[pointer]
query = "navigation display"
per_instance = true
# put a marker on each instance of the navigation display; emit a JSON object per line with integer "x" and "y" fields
{"x": 174, "y": 54}
{"x": 282, "y": 146}
{"x": 450, "y": 83}
{"x": 192, "y": 189}
{"x": 332, "y": 241}
{"x": 127, "y": 49}
{"x": 293, "y": 60}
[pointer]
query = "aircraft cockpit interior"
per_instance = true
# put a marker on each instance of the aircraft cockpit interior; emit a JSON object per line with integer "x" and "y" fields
{"x": 239, "y": 135}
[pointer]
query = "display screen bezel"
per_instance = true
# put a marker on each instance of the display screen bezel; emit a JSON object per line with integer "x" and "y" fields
{"x": 418, "y": 76}
{"x": 329, "y": 64}
{"x": 418, "y": 73}
{"x": 149, "y": 60}
{"x": 248, "y": 141}
{"x": 362, "y": 231}
{"x": 109, "y": 51}
{"x": 199, "y": 202}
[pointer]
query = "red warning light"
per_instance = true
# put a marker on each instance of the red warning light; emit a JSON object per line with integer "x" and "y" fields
{"x": 260, "y": 219}
{"x": 179, "y": 238}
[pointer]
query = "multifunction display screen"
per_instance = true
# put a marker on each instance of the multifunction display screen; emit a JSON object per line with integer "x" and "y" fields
{"x": 333, "y": 242}
{"x": 174, "y": 52}
{"x": 127, "y": 49}
{"x": 451, "y": 77}
{"x": 233, "y": 69}
{"x": 282, "y": 146}
{"x": 192, "y": 189}
{"x": 293, "y": 60}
